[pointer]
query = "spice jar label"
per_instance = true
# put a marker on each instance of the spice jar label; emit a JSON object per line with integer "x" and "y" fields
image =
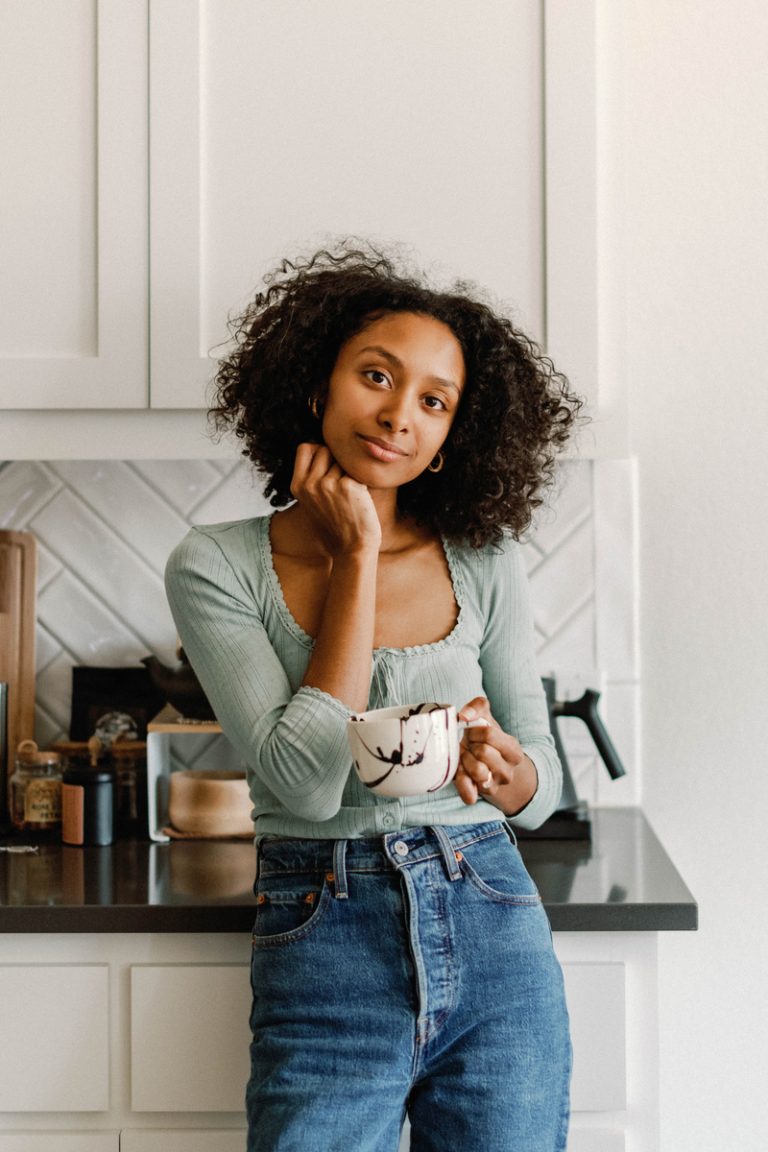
{"x": 42, "y": 802}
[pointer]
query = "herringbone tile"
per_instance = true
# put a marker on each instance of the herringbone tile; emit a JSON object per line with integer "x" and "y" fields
{"x": 105, "y": 529}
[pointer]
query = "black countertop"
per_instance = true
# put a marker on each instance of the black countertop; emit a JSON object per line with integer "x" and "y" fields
{"x": 621, "y": 881}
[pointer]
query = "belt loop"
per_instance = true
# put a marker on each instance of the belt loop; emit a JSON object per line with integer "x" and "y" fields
{"x": 510, "y": 832}
{"x": 340, "y": 870}
{"x": 448, "y": 852}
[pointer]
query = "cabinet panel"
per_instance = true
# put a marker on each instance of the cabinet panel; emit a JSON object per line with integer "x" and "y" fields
{"x": 189, "y": 1038}
{"x": 276, "y": 126}
{"x": 596, "y": 1140}
{"x": 60, "y": 1141}
{"x": 54, "y": 1020}
{"x": 155, "y": 1140}
{"x": 73, "y": 231}
{"x": 597, "y": 1007}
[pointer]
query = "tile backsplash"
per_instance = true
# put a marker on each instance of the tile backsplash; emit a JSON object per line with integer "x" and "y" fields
{"x": 105, "y": 528}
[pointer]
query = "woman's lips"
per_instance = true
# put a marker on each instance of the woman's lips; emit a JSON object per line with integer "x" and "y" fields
{"x": 382, "y": 449}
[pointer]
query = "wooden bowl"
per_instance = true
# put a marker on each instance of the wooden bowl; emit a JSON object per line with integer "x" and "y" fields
{"x": 208, "y": 802}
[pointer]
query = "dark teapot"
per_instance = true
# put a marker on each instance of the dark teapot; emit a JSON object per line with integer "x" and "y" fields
{"x": 180, "y": 687}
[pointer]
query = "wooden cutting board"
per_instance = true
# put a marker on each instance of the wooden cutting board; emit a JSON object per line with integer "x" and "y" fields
{"x": 18, "y": 593}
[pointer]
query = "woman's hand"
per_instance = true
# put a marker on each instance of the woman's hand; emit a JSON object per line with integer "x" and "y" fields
{"x": 341, "y": 509}
{"x": 493, "y": 765}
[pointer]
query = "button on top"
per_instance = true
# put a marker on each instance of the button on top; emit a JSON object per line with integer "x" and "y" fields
{"x": 387, "y": 819}
{"x": 401, "y": 848}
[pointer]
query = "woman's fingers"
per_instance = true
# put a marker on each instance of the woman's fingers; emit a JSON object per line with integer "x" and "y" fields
{"x": 477, "y": 709}
{"x": 341, "y": 508}
{"x": 312, "y": 464}
{"x": 466, "y": 787}
{"x": 485, "y": 766}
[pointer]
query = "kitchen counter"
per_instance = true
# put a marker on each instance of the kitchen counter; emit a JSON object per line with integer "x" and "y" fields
{"x": 623, "y": 880}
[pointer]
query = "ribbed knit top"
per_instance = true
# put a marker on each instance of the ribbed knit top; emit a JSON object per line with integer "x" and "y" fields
{"x": 250, "y": 656}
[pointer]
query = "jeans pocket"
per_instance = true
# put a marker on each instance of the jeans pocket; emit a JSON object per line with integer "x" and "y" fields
{"x": 495, "y": 867}
{"x": 288, "y": 907}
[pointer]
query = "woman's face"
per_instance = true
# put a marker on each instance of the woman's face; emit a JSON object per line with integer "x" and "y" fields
{"x": 392, "y": 397}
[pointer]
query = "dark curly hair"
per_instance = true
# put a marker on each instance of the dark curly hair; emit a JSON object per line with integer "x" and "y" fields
{"x": 515, "y": 414}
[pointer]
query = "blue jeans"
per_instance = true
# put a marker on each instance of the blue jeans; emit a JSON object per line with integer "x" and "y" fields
{"x": 408, "y": 974}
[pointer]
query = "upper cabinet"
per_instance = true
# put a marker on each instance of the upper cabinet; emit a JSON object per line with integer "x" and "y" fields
{"x": 164, "y": 155}
{"x": 73, "y": 226}
{"x": 278, "y": 126}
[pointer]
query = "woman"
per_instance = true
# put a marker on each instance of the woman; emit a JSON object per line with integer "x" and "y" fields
{"x": 402, "y": 961}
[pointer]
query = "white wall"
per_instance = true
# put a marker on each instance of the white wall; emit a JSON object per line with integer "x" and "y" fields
{"x": 688, "y": 203}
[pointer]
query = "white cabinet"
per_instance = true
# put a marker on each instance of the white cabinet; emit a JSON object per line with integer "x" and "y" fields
{"x": 73, "y": 229}
{"x": 149, "y": 1034}
{"x": 596, "y": 1140}
{"x": 189, "y": 1038}
{"x": 54, "y": 1020}
{"x": 275, "y": 126}
{"x": 61, "y": 1141}
{"x": 611, "y": 986}
{"x": 168, "y": 1140}
{"x": 596, "y": 992}
{"x": 160, "y": 156}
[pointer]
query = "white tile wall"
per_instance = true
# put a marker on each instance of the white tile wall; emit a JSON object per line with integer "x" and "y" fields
{"x": 105, "y": 528}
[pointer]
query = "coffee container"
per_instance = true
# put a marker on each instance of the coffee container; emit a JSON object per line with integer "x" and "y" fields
{"x": 87, "y": 806}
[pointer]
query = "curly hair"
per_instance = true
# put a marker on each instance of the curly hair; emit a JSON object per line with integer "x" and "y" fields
{"x": 515, "y": 415}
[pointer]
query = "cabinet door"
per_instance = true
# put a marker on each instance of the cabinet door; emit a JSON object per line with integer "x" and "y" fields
{"x": 69, "y": 1141}
{"x": 54, "y": 1021}
{"x": 596, "y": 1140}
{"x": 156, "y": 1140}
{"x": 73, "y": 229}
{"x": 595, "y": 993}
{"x": 276, "y": 126}
{"x": 189, "y": 1037}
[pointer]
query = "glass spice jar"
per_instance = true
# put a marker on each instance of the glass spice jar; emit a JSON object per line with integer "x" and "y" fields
{"x": 35, "y": 789}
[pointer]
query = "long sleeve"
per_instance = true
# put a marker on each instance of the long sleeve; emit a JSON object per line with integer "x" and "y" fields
{"x": 511, "y": 679}
{"x": 292, "y": 740}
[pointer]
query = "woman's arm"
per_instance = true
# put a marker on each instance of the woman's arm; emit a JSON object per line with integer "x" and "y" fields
{"x": 343, "y": 514}
{"x": 520, "y": 751}
{"x": 294, "y": 741}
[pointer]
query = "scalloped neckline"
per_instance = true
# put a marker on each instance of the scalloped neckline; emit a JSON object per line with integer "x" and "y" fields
{"x": 293, "y": 626}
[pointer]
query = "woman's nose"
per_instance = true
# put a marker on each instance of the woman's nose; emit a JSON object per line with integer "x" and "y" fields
{"x": 394, "y": 414}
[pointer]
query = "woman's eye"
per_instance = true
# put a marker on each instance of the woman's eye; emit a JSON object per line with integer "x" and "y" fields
{"x": 377, "y": 377}
{"x": 435, "y": 402}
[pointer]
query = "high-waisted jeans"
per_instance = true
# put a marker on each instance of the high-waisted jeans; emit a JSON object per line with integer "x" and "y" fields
{"x": 411, "y": 974}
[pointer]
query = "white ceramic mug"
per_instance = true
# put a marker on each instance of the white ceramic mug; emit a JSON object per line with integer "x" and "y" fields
{"x": 407, "y": 750}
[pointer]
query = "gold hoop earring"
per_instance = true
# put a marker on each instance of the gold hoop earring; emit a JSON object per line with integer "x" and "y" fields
{"x": 314, "y": 407}
{"x": 437, "y": 463}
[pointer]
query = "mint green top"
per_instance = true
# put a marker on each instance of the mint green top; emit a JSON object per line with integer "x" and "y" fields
{"x": 250, "y": 656}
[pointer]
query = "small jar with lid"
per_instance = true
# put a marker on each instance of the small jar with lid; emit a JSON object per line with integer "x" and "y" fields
{"x": 87, "y": 806}
{"x": 35, "y": 791}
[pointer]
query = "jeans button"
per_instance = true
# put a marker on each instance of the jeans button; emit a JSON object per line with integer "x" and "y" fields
{"x": 401, "y": 848}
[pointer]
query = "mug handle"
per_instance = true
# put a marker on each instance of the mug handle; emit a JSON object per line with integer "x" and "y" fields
{"x": 462, "y": 725}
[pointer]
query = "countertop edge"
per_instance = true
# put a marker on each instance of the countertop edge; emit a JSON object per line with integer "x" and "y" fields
{"x": 594, "y": 887}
